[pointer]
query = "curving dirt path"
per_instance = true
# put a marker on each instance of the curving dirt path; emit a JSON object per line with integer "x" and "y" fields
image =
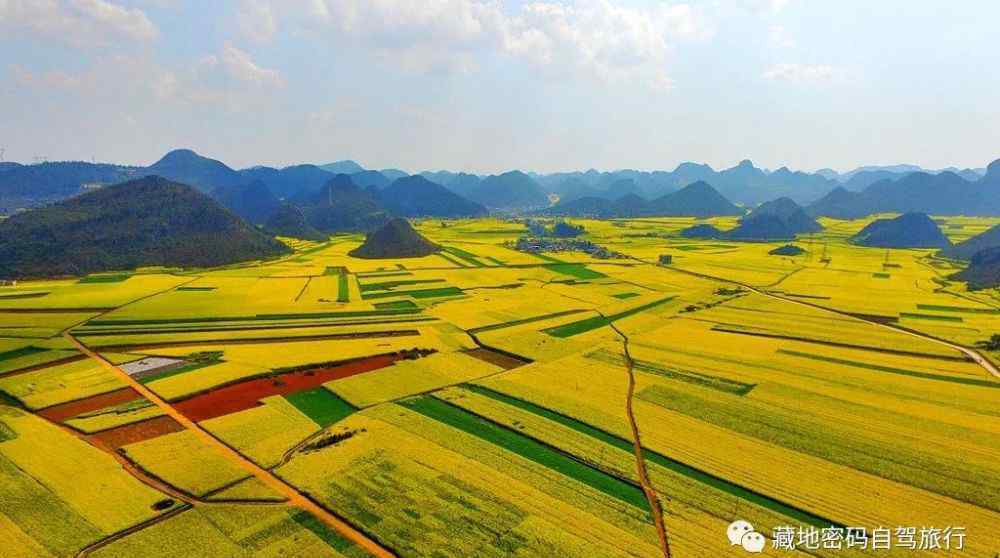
{"x": 295, "y": 498}
{"x": 656, "y": 510}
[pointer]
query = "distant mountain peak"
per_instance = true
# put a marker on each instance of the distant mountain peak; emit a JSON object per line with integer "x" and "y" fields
{"x": 993, "y": 169}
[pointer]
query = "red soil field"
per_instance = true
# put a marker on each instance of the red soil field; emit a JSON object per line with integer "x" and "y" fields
{"x": 115, "y": 438}
{"x": 244, "y": 395}
{"x": 65, "y": 411}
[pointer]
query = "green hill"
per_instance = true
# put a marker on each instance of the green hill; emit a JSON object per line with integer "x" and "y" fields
{"x": 146, "y": 222}
{"x": 912, "y": 230}
{"x": 395, "y": 239}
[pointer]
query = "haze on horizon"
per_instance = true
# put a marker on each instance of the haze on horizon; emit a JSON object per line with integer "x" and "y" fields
{"x": 484, "y": 86}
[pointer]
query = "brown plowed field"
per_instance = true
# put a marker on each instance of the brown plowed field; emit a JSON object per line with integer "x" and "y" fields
{"x": 65, "y": 411}
{"x": 244, "y": 395}
{"x": 115, "y": 438}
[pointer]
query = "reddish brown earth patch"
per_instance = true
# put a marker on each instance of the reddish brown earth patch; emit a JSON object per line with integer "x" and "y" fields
{"x": 505, "y": 361}
{"x": 65, "y": 411}
{"x": 245, "y": 395}
{"x": 115, "y": 438}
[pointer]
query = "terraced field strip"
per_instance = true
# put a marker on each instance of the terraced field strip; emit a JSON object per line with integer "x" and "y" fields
{"x": 721, "y": 328}
{"x": 289, "y": 316}
{"x": 958, "y": 309}
{"x": 20, "y": 296}
{"x": 528, "y": 448}
{"x": 420, "y": 293}
{"x": 588, "y": 324}
{"x": 695, "y": 378}
{"x": 388, "y": 285}
{"x": 938, "y": 317}
{"x": 851, "y": 444}
{"x": 70, "y": 409}
{"x": 673, "y": 465}
{"x": 261, "y": 340}
{"x": 892, "y": 370}
{"x": 577, "y": 270}
{"x": 468, "y": 257}
{"x": 452, "y": 260}
{"x": 295, "y": 498}
{"x": 95, "y": 332}
{"x": 23, "y": 351}
{"x": 522, "y": 321}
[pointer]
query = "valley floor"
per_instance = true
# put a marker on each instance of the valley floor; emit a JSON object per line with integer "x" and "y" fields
{"x": 489, "y": 402}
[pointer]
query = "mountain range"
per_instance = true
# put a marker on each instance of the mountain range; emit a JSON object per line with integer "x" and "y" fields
{"x": 898, "y": 188}
{"x": 694, "y": 200}
{"x": 945, "y": 193}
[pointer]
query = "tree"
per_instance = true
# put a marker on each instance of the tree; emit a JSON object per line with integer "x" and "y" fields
{"x": 994, "y": 343}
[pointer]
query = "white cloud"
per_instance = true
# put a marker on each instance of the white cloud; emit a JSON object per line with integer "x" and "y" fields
{"x": 256, "y": 20}
{"x": 588, "y": 38}
{"x": 803, "y": 73}
{"x": 76, "y": 22}
{"x": 238, "y": 65}
{"x": 778, "y": 36}
{"x": 767, "y": 6}
{"x": 599, "y": 39}
{"x": 52, "y": 79}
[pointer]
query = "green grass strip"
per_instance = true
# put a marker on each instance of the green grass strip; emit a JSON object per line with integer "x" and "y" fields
{"x": 578, "y": 270}
{"x": 18, "y": 296}
{"x": 386, "y": 285}
{"x": 513, "y": 323}
{"x": 527, "y": 448}
{"x": 422, "y": 293}
{"x": 393, "y": 304}
{"x": 892, "y": 370}
{"x": 321, "y": 405}
{"x": 588, "y": 324}
{"x": 881, "y": 275}
{"x": 109, "y": 278}
{"x": 495, "y": 261}
{"x": 343, "y": 288}
{"x": 382, "y": 274}
{"x": 469, "y": 257}
{"x": 451, "y": 259}
{"x": 673, "y": 465}
{"x": 623, "y": 296}
{"x": 23, "y": 351}
{"x": 916, "y": 316}
{"x": 717, "y": 383}
{"x": 961, "y": 309}
{"x": 326, "y": 534}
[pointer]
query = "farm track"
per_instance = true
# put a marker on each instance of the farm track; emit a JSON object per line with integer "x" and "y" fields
{"x": 295, "y": 498}
{"x": 656, "y": 510}
{"x": 88, "y": 550}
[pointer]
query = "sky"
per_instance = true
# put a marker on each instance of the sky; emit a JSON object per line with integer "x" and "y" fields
{"x": 485, "y": 85}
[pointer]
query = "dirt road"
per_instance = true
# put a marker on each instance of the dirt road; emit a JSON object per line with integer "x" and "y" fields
{"x": 295, "y": 498}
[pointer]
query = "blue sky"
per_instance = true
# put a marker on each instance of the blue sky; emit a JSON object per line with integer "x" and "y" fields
{"x": 482, "y": 85}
